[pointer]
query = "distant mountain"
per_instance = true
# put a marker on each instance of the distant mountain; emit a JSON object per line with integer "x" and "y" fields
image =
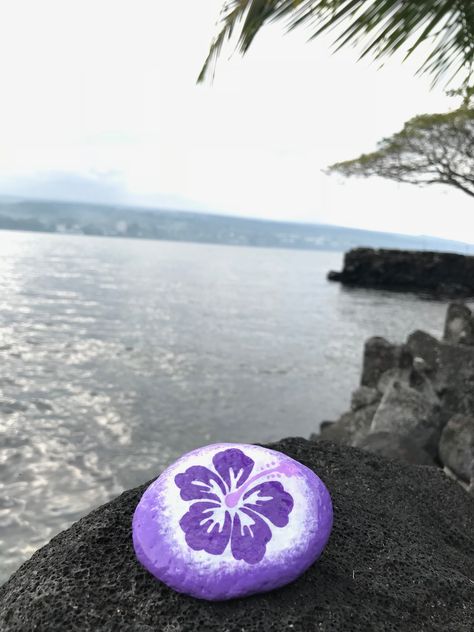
{"x": 124, "y": 221}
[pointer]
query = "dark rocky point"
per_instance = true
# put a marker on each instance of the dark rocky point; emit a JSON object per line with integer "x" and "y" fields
{"x": 400, "y": 557}
{"x": 440, "y": 274}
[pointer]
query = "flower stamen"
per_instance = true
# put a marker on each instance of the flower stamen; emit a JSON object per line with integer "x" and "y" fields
{"x": 288, "y": 469}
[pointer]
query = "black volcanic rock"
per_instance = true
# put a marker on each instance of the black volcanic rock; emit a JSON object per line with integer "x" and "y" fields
{"x": 416, "y": 400}
{"x": 395, "y": 446}
{"x": 459, "y": 325}
{"x": 456, "y": 448}
{"x": 436, "y": 273}
{"x": 451, "y": 369}
{"x": 400, "y": 558}
{"x": 351, "y": 427}
{"x": 379, "y": 356}
{"x": 410, "y": 414}
{"x": 364, "y": 396}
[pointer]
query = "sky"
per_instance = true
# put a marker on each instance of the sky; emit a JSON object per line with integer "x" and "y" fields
{"x": 100, "y": 103}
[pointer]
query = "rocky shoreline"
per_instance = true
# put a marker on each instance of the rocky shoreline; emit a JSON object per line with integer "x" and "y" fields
{"x": 415, "y": 401}
{"x": 436, "y": 274}
{"x": 401, "y": 553}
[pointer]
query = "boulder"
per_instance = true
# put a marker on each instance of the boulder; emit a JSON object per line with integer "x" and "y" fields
{"x": 364, "y": 396}
{"x": 386, "y": 379}
{"x": 400, "y": 557}
{"x": 380, "y": 355}
{"x": 459, "y": 325}
{"x": 456, "y": 447}
{"x": 350, "y": 427}
{"x": 425, "y": 347}
{"x": 434, "y": 273}
{"x": 414, "y": 377}
{"x": 326, "y": 424}
{"x": 323, "y": 426}
{"x": 409, "y": 413}
{"x": 394, "y": 446}
{"x": 395, "y": 389}
{"x": 451, "y": 370}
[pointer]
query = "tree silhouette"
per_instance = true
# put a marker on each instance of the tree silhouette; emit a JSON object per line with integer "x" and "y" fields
{"x": 380, "y": 27}
{"x": 430, "y": 149}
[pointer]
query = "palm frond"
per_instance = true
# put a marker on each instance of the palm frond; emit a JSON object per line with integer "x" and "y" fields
{"x": 378, "y": 27}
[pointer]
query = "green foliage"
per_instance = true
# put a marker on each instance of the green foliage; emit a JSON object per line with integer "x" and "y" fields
{"x": 384, "y": 27}
{"x": 465, "y": 91}
{"x": 430, "y": 149}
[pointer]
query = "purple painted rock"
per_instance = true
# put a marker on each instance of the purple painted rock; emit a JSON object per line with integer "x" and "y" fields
{"x": 230, "y": 520}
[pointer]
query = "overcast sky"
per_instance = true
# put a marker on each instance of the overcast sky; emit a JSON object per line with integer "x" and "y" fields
{"x": 99, "y": 101}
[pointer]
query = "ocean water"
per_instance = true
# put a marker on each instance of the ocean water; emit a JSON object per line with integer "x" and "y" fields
{"x": 116, "y": 356}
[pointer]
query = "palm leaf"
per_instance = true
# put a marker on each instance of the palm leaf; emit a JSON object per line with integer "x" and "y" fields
{"x": 378, "y": 27}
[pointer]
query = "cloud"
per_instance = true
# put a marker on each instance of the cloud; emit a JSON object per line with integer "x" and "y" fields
{"x": 102, "y": 188}
{"x": 95, "y": 187}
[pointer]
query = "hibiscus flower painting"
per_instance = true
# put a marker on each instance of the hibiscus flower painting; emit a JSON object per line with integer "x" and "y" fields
{"x": 233, "y": 505}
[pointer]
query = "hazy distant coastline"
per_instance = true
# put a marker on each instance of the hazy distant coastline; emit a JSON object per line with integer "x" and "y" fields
{"x": 126, "y": 221}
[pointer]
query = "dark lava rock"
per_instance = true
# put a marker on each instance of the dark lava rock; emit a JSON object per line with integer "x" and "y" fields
{"x": 350, "y": 427}
{"x": 326, "y": 424}
{"x": 456, "y": 447}
{"x": 411, "y": 414}
{"x": 394, "y": 446}
{"x": 400, "y": 558}
{"x": 459, "y": 325}
{"x": 379, "y": 356}
{"x": 436, "y": 273}
{"x": 364, "y": 396}
{"x": 451, "y": 369}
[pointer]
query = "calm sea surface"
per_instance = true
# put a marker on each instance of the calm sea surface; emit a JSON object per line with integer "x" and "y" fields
{"x": 117, "y": 355}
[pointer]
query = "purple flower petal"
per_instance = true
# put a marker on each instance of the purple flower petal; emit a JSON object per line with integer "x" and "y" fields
{"x": 202, "y": 531}
{"x": 196, "y": 484}
{"x": 249, "y": 542}
{"x": 233, "y": 462}
{"x": 270, "y": 500}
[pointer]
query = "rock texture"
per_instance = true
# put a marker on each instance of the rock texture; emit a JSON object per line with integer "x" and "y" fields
{"x": 364, "y": 396}
{"x": 440, "y": 274}
{"x": 407, "y": 412}
{"x": 393, "y": 446}
{"x": 450, "y": 368}
{"x": 410, "y": 392}
{"x": 379, "y": 356}
{"x": 352, "y": 427}
{"x": 400, "y": 557}
{"x": 456, "y": 448}
{"x": 459, "y": 325}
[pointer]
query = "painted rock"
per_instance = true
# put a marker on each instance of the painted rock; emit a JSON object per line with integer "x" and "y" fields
{"x": 229, "y": 520}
